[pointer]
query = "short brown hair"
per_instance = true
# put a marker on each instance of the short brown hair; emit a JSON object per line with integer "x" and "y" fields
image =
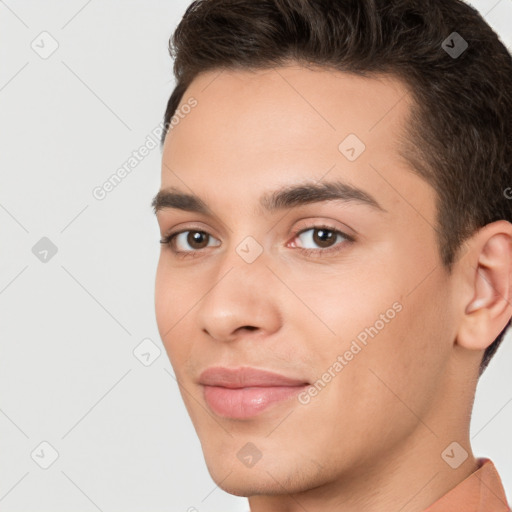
{"x": 461, "y": 124}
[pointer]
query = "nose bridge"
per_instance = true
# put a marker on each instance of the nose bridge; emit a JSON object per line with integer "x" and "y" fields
{"x": 239, "y": 295}
{"x": 244, "y": 258}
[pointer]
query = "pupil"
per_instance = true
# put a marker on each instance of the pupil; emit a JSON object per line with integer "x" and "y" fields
{"x": 324, "y": 237}
{"x": 197, "y": 239}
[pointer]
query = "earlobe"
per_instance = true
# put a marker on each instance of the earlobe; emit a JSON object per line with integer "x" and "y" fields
{"x": 490, "y": 308}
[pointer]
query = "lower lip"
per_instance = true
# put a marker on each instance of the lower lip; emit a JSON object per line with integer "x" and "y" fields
{"x": 244, "y": 403}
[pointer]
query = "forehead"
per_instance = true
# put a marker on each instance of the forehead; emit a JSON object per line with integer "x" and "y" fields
{"x": 241, "y": 115}
{"x": 254, "y": 129}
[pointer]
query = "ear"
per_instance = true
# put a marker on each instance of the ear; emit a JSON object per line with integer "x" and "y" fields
{"x": 488, "y": 282}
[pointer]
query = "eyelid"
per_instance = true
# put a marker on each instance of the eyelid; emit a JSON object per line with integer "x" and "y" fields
{"x": 320, "y": 222}
{"x": 325, "y": 227}
{"x": 185, "y": 226}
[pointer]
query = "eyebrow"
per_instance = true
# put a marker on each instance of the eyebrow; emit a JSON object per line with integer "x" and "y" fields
{"x": 283, "y": 198}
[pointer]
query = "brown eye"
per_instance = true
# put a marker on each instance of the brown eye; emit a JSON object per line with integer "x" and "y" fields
{"x": 197, "y": 239}
{"x": 324, "y": 237}
{"x": 321, "y": 237}
{"x": 189, "y": 241}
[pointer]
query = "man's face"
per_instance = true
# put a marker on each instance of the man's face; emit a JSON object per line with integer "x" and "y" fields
{"x": 344, "y": 294}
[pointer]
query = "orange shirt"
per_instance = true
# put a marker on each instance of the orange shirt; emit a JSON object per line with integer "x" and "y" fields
{"x": 482, "y": 491}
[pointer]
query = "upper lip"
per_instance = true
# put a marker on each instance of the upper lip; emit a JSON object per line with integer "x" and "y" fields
{"x": 245, "y": 377}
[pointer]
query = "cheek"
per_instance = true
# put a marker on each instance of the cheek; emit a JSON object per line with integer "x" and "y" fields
{"x": 176, "y": 292}
{"x": 163, "y": 298}
{"x": 173, "y": 302}
{"x": 342, "y": 305}
{"x": 401, "y": 368}
{"x": 391, "y": 340}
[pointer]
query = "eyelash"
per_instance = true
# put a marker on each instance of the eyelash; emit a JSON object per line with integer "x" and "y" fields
{"x": 169, "y": 239}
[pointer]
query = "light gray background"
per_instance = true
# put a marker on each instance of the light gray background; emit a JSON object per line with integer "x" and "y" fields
{"x": 68, "y": 327}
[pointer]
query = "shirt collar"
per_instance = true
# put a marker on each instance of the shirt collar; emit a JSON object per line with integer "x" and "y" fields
{"x": 482, "y": 491}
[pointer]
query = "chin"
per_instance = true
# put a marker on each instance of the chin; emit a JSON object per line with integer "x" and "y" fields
{"x": 268, "y": 477}
{"x": 248, "y": 482}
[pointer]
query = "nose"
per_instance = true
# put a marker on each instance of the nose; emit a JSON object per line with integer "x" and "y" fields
{"x": 240, "y": 301}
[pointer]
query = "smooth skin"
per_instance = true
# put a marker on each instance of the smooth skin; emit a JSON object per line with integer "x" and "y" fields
{"x": 372, "y": 439}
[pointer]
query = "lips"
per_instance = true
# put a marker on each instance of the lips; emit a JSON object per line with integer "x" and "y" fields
{"x": 245, "y": 392}
{"x": 246, "y": 377}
